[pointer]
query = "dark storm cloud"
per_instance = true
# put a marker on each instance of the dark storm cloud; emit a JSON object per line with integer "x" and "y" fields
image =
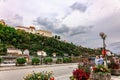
{"x": 52, "y": 25}
{"x": 62, "y": 29}
{"x": 44, "y": 21}
{"x": 81, "y": 30}
{"x": 78, "y": 30}
{"x": 79, "y": 6}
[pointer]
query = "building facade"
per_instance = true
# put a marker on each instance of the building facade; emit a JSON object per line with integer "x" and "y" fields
{"x": 44, "y": 33}
{"x": 22, "y": 28}
{"x": 32, "y": 29}
{"x": 13, "y": 51}
{"x": 2, "y": 22}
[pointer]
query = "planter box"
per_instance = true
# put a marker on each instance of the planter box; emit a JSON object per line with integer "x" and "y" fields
{"x": 115, "y": 72}
{"x": 59, "y": 62}
{"x": 97, "y": 76}
{"x": 20, "y": 64}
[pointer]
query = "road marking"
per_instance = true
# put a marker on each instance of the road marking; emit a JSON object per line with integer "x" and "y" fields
{"x": 64, "y": 77}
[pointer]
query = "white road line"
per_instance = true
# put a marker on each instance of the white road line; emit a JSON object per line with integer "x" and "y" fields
{"x": 64, "y": 77}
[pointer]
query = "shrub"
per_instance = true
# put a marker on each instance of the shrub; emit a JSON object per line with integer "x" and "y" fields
{"x": 59, "y": 60}
{"x": 35, "y": 61}
{"x": 66, "y": 60}
{"x": 21, "y": 60}
{"x": 47, "y": 60}
{"x": 1, "y": 59}
{"x": 39, "y": 76}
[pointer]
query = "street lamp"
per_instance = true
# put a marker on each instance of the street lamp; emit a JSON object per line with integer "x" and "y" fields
{"x": 103, "y": 36}
{"x": 54, "y": 54}
{"x": 41, "y": 54}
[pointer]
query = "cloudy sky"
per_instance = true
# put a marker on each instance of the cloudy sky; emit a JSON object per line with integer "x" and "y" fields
{"x": 77, "y": 21}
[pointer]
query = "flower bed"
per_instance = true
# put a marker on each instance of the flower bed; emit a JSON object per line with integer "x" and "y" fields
{"x": 115, "y": 72}
{"x": 101, "y": 73}
{"x": 100, "y": 76}
{"x": 39, "y": 76}
{"x": 114, "y": 67}
{"x": 81, "y": 73}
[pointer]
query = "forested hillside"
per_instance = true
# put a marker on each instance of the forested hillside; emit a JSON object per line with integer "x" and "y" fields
{"x": 23, "y": 40}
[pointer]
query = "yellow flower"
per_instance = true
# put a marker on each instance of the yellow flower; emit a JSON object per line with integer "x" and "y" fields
{"x": 101, "y": 69}
{"x": 38, "y": 77}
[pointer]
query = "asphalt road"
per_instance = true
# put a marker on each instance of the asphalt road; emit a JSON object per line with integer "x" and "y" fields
{"x": 60, "y": 72}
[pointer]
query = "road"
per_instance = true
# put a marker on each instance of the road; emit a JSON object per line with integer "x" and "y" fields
{"x": 60, "y": 72}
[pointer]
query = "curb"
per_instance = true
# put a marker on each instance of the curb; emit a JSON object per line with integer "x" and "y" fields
{"x": 8, "y": 68}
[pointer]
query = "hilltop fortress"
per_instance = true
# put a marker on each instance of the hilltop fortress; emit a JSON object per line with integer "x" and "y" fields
{"x": 31, "y": 29}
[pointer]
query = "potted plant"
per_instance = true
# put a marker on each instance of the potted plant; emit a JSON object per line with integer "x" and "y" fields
{"x": 66, "y": 60}
{"x": 101, "y": 73}
{"x": 35, "y": 61}
{"x": 48, "y": 60}
{"x": 59, "y": 60}
{"x": 20, "y": 61}
{"x": 81, "y": 73}
{"x": 39, "y": 76}
{"x": 114, "y": 67}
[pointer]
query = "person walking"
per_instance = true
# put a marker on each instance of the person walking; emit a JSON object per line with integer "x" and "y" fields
{"x": 97, "y": 60}
{"x": 101, "y": 61}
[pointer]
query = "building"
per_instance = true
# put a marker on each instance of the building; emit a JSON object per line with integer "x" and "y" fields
{"x": 32, "y": 29}
{"x": 22, "y": 28}
{"x": 14, "y": 52}
{"x": 41, "y": 53}
{"x": 2, "y": 22}
{"x": 44, "y": 33}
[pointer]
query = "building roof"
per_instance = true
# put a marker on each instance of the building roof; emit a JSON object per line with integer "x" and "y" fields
{"x": 22, "y": 27}
{"x": 32, "y": 27}
{"x": 44, "y": 31}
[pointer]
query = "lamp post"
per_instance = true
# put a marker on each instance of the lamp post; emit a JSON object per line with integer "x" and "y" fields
{"x": 103, "y": 36}
{"x": 41, "y": 54}
{"x": 54, "y": 54}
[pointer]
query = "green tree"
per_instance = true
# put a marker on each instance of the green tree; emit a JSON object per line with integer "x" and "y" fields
{"x": 34, "y": 42}
{"x": 59, "y": 37}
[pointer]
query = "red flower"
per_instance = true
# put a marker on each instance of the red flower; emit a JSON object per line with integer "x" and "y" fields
{"x": 79, "y": 74}
{"x": 52, "y": 78}
{"x": 94, "y": 68}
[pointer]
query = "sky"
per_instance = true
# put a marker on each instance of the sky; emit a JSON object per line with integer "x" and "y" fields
{"x": 76, "y": 21}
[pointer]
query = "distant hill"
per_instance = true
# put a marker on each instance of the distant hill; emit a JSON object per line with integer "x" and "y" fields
{"x": 23, "y": 40}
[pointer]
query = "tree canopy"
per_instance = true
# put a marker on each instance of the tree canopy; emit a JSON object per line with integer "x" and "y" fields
{"x": 34, "y": 42}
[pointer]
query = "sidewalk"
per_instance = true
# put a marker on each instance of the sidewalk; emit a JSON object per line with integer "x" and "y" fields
{"x": 6, "y": 67}
{"x": 66, "y": 77}
{"x": 115, "y": 78}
